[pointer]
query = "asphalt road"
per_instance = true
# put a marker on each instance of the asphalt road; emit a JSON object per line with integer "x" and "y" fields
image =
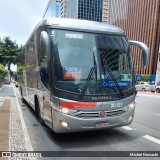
{"x": 142, "y": 135}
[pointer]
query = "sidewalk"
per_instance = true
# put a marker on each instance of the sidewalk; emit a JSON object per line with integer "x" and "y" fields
{"x": 148, "y": 93}
{"x": 12, "y": 137}
{"x": 4, "y": 124}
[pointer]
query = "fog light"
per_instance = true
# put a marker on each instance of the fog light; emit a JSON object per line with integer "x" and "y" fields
{"x": 65, "y": 125}
{"x": 130, "y": 118}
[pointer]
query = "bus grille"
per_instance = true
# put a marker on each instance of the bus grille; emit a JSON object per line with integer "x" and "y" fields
{"x": 81, "y": 114}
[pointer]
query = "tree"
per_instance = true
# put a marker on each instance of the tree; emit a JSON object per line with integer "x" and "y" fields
{"x": 3, "y": 71}
{"x": 9, "y": 52}
{"x": 1, "y": 59}
{"x": 145, "y": 77}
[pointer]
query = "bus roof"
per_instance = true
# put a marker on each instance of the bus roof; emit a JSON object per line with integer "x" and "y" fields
{"x": 81, "y": 25}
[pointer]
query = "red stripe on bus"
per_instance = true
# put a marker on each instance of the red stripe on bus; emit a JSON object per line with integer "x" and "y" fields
{"x": 78, "y": 104}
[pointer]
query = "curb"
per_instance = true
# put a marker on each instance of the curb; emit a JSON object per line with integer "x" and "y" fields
{"x": 1, "y": 88}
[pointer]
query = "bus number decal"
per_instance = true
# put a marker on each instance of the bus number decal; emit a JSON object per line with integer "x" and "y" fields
{"x": 116, "y": 105}
{"x": 71, "y": 73}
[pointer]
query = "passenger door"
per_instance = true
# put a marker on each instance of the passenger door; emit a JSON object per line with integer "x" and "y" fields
{"x": 44, "y": 74}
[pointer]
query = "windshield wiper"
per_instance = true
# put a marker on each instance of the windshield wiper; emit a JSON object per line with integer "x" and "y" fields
{"x": 95, "y": 64}
{"x": 121, "y": 95}
{"x": 92, "y": 70}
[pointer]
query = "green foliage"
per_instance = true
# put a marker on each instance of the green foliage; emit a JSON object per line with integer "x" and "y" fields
{"x": 145, "y": 78}
{"x": 1, "y": 59}
{"x": 9, "y": 51}
{"x": 20, "y": 71}
{"x": 21, "y": 68}
{"x": 3, "y": 71}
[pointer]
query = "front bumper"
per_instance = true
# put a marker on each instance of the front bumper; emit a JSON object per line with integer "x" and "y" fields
{"x": 81, "y": 124}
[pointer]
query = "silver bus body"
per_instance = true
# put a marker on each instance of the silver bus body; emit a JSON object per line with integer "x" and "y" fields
{"x": 60, "y": 104}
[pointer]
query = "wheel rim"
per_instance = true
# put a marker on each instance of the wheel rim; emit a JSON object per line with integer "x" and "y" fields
{"x": 158, "y": 90}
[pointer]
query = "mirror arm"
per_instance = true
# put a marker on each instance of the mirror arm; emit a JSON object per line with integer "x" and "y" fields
{"x": 145, "y": 51}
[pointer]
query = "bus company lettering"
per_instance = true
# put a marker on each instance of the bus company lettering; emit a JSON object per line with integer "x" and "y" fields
{"x": 74, "y": 36}
{"x": 101, "y": 98}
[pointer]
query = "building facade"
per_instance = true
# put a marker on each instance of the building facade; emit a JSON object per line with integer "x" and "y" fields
{"x": 86, "y": 9}
{"x": 63, "y": 8}
{"x": 53, "y": 9}
{"x": 140, "y": 19}
{"x": 94, "y": 10}
{"x": 72, "y": 9}
{"x": 105, "y": 11}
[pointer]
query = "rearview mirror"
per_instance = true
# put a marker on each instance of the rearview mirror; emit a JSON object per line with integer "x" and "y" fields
{"x": 145, "y": 51}
{"x": 45, "y": 45}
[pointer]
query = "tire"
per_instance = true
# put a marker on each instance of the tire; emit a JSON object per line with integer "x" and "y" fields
{"x": 37, "y": 108}
{"x": 136, "y": 92}
{"x": 23, "y": 100}
{"x": 158, "y": 90}
{"x": 143, "y": 89}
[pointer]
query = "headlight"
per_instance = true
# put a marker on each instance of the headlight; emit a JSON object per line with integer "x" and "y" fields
{"x": 131, "y": 105}
{"x": 65, "y": 110}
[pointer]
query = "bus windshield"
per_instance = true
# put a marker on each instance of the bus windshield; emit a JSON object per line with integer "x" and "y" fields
{"x": 90, "y": 63}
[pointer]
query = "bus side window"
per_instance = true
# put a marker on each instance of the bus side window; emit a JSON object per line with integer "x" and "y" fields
{"x": 44, "y": 59}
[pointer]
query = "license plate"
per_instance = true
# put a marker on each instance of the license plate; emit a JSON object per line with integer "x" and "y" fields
{"x": 101, "y": 124}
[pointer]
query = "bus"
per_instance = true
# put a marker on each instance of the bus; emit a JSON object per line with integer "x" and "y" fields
{"x": 78, "y": 75}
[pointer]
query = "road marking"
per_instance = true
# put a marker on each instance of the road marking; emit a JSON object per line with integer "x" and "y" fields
{"x": 26, "y": 135}
{"x": 156, "y": 114}
{"x": 127, "y": 128}
{"x": 153, "y": 139}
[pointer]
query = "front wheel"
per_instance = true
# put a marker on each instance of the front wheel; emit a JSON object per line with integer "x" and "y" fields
{"x": 38, "y": 111}
{"x": 23, "y": 100}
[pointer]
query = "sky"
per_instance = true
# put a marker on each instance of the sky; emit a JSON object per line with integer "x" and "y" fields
{"x": 19, "y": 17}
